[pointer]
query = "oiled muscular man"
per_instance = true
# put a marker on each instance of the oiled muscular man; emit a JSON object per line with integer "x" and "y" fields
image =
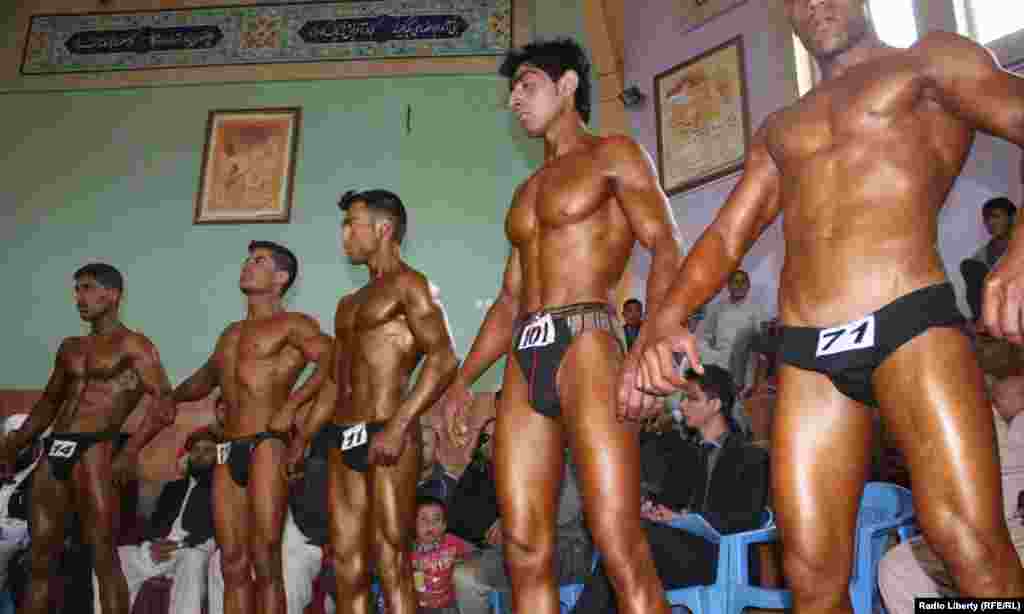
{"x": 382, "y": 332}
{"x": 572, "y": 226}
{"x": 859, "y": 168}
{"x": 97, "y": 381}
{"x": 256, "y": 363}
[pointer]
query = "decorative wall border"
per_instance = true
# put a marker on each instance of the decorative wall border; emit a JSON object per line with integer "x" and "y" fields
{"x": 11, "y": 80}
{"x": 266, "y": 34}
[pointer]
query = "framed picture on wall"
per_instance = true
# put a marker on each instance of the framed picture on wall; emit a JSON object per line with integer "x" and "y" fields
{"x": 694, "y": 13}
{"x": 703, "y": 118}
{"x": 248, "y": 168}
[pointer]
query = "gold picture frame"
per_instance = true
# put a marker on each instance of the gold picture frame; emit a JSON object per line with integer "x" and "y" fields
{"x": 703, "y": 118}
{"x": 248, "y": 169}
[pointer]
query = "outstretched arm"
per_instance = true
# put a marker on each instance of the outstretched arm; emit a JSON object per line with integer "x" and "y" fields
{"x": 752, "y": 206}
{"x": 492, "y": 341}
{"x": 199, "y": 385}
{"x": 42, "y": 414}
{"x": 647, "y": 208}
{"x": 495, "y": 335}
{"x": 970, "y": 84}
{"x": 425, "y": 317}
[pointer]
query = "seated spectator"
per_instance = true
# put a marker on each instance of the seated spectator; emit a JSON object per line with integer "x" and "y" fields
{"x": 473, "y": 515}
{"x": 434, "y": 555}
{"x": 998, "y": 215}
{"x": 725, "y": 480}
{"x": 911, "y": 569}
{"x": 659, "y": 441}
{"x": 434, "y": 480}
{"x": 14, "y": 537}
{"x": 179, "y": 539}
{"x": 304, "y": 539}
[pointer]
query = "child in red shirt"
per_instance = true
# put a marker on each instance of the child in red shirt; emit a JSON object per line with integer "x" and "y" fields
{"x": 433, "y": 558}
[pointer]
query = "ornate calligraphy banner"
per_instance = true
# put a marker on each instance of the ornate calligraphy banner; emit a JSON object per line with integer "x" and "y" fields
{"x": 267, "y": 33}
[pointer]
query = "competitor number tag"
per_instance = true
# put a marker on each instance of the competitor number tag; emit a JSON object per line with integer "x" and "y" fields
{"x": 353, "y": 437}
{"x": 857, "y": 335}
{"x": 538, "y": 334}
{"x": 61, "y": 448}
{"x": 223, "y": 452}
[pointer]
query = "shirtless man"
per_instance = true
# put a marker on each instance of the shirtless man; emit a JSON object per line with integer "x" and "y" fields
{"x": 256, "y": 362}
{"x": 382, "y": 330}
{"x": 97, "y": 381}
{"x": 572, "y": 226}
{"x": 860, "y": 168}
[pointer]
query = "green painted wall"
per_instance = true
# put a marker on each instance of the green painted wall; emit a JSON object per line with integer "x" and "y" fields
{"x": 112, "y": 175}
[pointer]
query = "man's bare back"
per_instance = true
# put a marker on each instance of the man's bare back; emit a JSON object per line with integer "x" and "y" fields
{"x": 861, "y": 167}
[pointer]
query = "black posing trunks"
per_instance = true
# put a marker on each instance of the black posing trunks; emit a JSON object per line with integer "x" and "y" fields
{"x": 849, "y": 353}
{"x": 541, "y": 339}
{"x": 64, "y": 449}
{"x": 237, "y": 453}
{"x": 353, "y": 440}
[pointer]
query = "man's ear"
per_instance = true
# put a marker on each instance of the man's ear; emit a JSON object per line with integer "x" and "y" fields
{"x": 384, "y": 228}
{"x": 281, "y": 277}
{"x": 568, "y": 83}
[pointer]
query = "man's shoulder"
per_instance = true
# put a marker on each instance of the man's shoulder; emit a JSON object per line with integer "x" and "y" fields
{"x": 136, "y": 341}
{"x": 619, "y": 148}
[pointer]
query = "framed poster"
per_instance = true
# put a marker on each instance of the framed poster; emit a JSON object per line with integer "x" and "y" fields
{"x": 695, "y": 13}
{"x": 248, "y": 166}
{"x": 703, "y": 118}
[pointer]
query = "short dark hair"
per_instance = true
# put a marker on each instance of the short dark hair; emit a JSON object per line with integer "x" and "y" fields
{"x": 717, "y": 383}
{"x": 422, "y": 500}
{"x": 284, "y": 260}
{"x": 632, "y": 301}
{"x": 104, "y": 274}
{"x": 379, "y": 201}
{"x": 1000, "y": 202}
{"x": 554, "y": 57}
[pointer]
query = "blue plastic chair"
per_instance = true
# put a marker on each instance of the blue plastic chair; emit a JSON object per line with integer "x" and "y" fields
{"x": 884, "y": 507}
{"x": 732, "y": 590}
{"x": 567, "y": 596}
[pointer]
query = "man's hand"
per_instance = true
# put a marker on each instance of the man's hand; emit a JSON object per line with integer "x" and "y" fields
{"x": 650, "y": 372}
{"x": 388, "y": 444}
{"x": 282, "y": 421}
{"x": 454, "y": 403}
{"x": 161, "y": 550}
{"x": 494, "y": 535}
{"x": 656, "y": 512}
{"x": 1002, "y": 300}
{"x": 124, "y": 467}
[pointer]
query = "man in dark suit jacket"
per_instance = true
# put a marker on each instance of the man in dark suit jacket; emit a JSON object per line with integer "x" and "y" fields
{"x": 724, "y": 479}
{"x": 179, "y": 540}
